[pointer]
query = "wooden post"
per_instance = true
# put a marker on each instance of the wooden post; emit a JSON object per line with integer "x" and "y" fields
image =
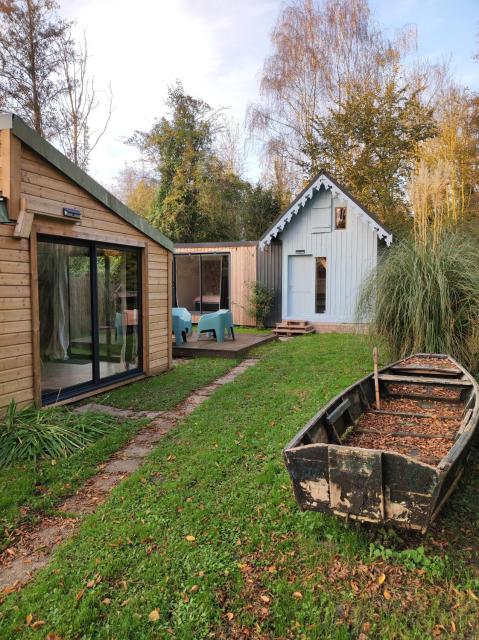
{"x": 376, "y": 377}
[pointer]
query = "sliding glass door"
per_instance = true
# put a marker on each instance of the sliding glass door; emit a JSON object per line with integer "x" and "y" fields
{"x": 202, "y": 281}
{"x": 90, "y": 315}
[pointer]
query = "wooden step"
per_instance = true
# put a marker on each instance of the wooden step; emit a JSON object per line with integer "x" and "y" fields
{"x": 283, "y": 331}
{"x": 446, "y": 382}
{"x": 293, "y": 327}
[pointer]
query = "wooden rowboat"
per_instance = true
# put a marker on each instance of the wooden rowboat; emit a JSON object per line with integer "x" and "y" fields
{"x": 396, "y": 464}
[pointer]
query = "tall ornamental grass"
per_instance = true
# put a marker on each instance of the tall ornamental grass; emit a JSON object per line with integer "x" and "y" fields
{"x": 424, "y": 297}
{"x": 30, "y": 435}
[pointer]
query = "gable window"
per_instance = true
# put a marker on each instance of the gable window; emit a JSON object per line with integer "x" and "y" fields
{"x": 320, "y": 285}
{"x": 340, "y": 217}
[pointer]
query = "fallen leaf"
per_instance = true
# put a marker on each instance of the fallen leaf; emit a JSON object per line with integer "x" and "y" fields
{"x": 125, "y": 602}
{"x": 264, "y": 611}
{"x": 201, "y": 573}
{"x": 265, "y": 599}
{"x": 154, "y": 615}
{"x": 38, "y": 624}
{"x": 106, "y": 600}
{"x": 190, "y": 538}
{"x": 272, "y": 569}
{"x": 230, "y": 616}
{"x": 354, "y": 586}
{"x": 386, "y": 594}
{"x": 171, "y": 457}
{"x": 472, "y": 594}
{"x": 90, "y": 584}
{"x": 52, "y": 636}
{"x": 367, "y": 627}
{"x": 194, "y": 588}
{"x": 298, "y": 595}
{"x": 28, "y": 619}
{"x": 185, "y": 598}
{"x": 453, "y": 627}
{"x": 381, "y": 578}
{"x": 79, "y": 595}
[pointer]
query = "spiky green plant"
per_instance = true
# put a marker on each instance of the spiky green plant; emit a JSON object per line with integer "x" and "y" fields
{"x": 29, "y": 434}
{"x": 424, "y": 297}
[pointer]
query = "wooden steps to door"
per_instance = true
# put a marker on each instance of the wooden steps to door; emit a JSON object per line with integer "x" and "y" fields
{"x": 293, "y": 328}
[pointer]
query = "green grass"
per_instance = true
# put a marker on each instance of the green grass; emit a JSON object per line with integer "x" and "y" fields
{"x": 161, "y": 393}
{"x": 257, "y": 566}
{"x": 28, "y": 490}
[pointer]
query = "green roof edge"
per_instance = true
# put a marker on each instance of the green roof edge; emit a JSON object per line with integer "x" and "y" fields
{"x": 41, "y": 146}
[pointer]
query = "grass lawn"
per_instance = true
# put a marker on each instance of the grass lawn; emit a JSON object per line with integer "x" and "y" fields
{"x": 162, "y": 392}
{"x": 29, "y": 490}
{"x": 206, "y": 539}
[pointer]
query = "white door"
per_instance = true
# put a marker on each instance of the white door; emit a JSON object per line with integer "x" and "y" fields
{"x": 300, "y": 287}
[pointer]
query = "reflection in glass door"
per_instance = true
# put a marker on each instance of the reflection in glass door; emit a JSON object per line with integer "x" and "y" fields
{"x": 90, "y": 315}
{"x": 118, "y": 310}
{"x": 66, "y": 344}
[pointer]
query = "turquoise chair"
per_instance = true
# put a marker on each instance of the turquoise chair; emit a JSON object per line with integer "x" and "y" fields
{"x": 217, "y": 323}
{"x": 182, "y": 324}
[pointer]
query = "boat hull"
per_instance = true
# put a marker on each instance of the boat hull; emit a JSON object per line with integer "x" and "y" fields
{"x": 374, "y": 485}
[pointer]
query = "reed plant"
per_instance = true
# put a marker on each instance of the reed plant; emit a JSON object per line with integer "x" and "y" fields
{"x": 424, "y": 297}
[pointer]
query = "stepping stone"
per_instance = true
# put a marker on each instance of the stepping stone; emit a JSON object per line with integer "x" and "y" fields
{"x": 123, "y": 466}
{"x": 134, "y": 450}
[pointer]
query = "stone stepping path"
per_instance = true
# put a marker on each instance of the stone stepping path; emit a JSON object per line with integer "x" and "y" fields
{"x": 35, "y": 547}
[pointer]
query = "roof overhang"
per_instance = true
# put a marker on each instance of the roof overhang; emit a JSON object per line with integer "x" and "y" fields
{"x": 325, "y": 180}
{"x": 33, "y": 140}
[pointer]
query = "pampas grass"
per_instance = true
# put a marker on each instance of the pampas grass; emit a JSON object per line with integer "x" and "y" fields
{"x": 424, "y": 297}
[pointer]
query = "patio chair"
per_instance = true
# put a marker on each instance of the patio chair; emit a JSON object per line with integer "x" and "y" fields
{"x": 182, "y": 324}
{"x": 217, "y": 323}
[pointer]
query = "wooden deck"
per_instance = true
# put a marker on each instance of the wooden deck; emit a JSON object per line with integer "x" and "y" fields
{"x": 207, "y": 347}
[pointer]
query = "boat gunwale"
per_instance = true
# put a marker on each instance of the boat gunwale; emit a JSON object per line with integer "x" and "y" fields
{"x": 443, "y": 464}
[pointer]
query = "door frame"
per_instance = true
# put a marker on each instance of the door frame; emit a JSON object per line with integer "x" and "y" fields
{"x": 96, "y": 382}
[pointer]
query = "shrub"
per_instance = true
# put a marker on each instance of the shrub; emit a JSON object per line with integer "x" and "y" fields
{"x": 424, "y": 297}
{"x": 260, "y": 302}
{"x": 28, "y": 435}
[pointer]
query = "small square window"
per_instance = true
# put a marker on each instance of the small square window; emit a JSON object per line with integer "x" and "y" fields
{"x": 340, "y": 217}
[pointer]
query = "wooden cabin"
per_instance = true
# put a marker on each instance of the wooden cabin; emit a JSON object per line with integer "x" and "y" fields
{"x": 85, "y": 283}
{"x": 329, "y": 245}
{"x": 218, "y": 275}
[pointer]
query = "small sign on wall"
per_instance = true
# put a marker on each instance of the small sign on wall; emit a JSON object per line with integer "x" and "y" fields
{"x": 69, "y": 212}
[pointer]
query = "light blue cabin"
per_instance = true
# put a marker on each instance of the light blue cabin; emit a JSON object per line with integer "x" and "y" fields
{"x": 329, "y": 245}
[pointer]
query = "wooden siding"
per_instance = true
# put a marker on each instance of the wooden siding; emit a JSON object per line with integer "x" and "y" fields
{"x": 47, "y": 191}
{"x": 242, "y": 273}
{"x": 350, "y": 253}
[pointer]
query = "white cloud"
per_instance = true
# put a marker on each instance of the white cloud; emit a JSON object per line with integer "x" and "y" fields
{"x": 141, "y": 47}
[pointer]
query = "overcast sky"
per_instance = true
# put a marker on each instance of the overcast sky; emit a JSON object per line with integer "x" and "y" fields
{"x": 217, "y": 48}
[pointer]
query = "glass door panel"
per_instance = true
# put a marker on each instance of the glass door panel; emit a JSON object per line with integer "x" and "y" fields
{"x": 66, "y": 331}
{"x": 211, "y": 276}
{"x": 188, "y": 282}
{"x": 118, "y": 303}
